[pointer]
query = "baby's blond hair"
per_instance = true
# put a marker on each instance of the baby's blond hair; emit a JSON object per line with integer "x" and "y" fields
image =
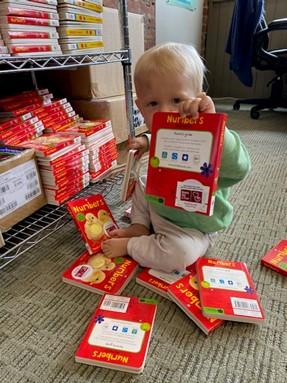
{"x": 170, "y": 58}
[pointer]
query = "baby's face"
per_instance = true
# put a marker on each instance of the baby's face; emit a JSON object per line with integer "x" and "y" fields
{"x": 162, "y": 93}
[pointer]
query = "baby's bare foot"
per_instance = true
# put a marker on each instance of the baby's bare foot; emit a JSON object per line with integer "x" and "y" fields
{"x": 115, "y": 247}
{"x": 134, "y": 230}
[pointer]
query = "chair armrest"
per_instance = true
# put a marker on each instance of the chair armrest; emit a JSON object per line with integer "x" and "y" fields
{"x": 276, "y": 25}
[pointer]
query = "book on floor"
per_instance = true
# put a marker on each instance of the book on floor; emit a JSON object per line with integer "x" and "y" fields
{"x": 118, "y": 334}
{"x": 276, "y": 258}
{"x": 131, "y": 175}
{"x": 227, "y": 291}
{"x": 184, "y": 161}
{"x": 159, "y": 281}
{"x": 184, "y": 293}
{"x": 93, "y": 219}
{"x": 100, "y": 274}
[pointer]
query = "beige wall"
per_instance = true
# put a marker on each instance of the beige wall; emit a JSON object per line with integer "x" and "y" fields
{"x": 223, "y": 82}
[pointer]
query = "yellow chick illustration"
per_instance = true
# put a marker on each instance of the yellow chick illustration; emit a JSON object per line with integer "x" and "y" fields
{"x": 104, "y": 216}
{"x": 93, "y": 227}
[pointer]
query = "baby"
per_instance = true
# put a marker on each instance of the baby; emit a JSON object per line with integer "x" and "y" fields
{"x": 169, "y": 78}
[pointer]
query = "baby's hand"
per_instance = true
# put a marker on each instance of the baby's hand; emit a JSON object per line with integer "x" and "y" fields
{"x": 141, "y": 144}
{"x": 206, "y": 104}
{"x": 192, "y": 106}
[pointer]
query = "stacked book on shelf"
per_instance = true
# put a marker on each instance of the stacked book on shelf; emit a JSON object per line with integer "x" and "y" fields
{"x": 28, "y": 27}
{"x": 39, "y": 112}
{"x": 18, "y": 121}
{"x": 99, "y": 139}
{"x": 63, "y": 163}
{"x": 81, "y": 26}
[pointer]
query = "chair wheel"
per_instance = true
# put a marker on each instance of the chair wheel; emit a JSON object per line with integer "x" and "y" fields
{"x": 236, "y": 105}
{"x": 254, "y": 114}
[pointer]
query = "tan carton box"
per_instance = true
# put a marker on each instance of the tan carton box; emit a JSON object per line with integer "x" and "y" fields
{"x": 112, "y": 108}
{"x": 102, "y": 80}
{"x": 20, "y": 185}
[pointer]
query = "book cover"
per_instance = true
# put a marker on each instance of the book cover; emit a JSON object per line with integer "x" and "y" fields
{"x": 159, "y": 281}
{"x": 184, "y": 293}
{"x": 131, "y": 175}
{"x": 227, "y": 291}
{"x": 93, "y": 219}
{"x": 276, "y": 258}
{"x": 118, "y": 334}
{"x": 100, "y": 274}
{"x": 184, "y": 161}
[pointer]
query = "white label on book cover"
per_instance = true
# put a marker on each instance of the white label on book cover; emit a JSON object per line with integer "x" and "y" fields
{"x": 224, "y": 278}
{"x": 82, "y": 272}
{"x": 247, "y": 307}
{"x": 168, "y": 277}
{"x": 18, "y": 186}
{"x": 183, "y": 149}
{"x": 118, "y": 335}
{"x": 191, "y": 195}
{"x": 115, "y": 303}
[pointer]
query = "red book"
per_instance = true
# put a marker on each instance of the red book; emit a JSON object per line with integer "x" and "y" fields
{"x": 184, "y": 161}
{"x": 26, "y": 11}
{"x": 33, "y": 48}
{"x": 185, "y": 294}
{"x": 227, "y": 291}
{"x": 52, "y": 146}
{"x": 20, "y": 35}
{"x": 100, "y": 274}
{"x": 10, "y": 20}
{"x": 276, "y": 258}
{"x": 159, "y": 281}
{"x": 118, "y": 334}
{"x": 93, "y": 219}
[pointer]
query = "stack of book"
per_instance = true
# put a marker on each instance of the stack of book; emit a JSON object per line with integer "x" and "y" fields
{"x": 58, "y": 116}
{"x": 18, "y": 121}
{"x": 63, "y": 164}
{"x": 99, "y": 139}
{"x": 28, "y": 27}
{"x": 3, "y": 49}
{"x": 210, "y": 291}
{"x": 81, "y": 26}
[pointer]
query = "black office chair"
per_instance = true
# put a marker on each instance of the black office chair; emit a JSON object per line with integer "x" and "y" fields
{"x": 266, "y": 59}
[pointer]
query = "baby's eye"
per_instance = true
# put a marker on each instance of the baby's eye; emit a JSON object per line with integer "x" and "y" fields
{"x": 152, "y": 103}
{"x": 177, "y": 100}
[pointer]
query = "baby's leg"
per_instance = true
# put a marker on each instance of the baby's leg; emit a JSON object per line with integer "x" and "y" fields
{"x": 171, "y": 248}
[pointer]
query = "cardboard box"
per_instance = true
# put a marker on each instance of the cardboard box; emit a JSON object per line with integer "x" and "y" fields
{"x": 21, "y": 189}
{"x": 113, "y": 108}
{"x": 102, "y": 80}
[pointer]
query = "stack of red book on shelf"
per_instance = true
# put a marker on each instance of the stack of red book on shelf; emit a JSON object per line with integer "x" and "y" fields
{"x": 81, "y": 26}
{"x": 99, "y": 139}
{"x": 63, "y": 164}
{"x": 56, "y": 117}
{"x": 39, "y": 113}
{"x": 28, "y": 27}
{"x": 18, "y": 121}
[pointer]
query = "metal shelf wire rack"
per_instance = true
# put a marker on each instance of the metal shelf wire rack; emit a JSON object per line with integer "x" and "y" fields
{"x": 36, "y": 63}
{"x": 49, "y": 219}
